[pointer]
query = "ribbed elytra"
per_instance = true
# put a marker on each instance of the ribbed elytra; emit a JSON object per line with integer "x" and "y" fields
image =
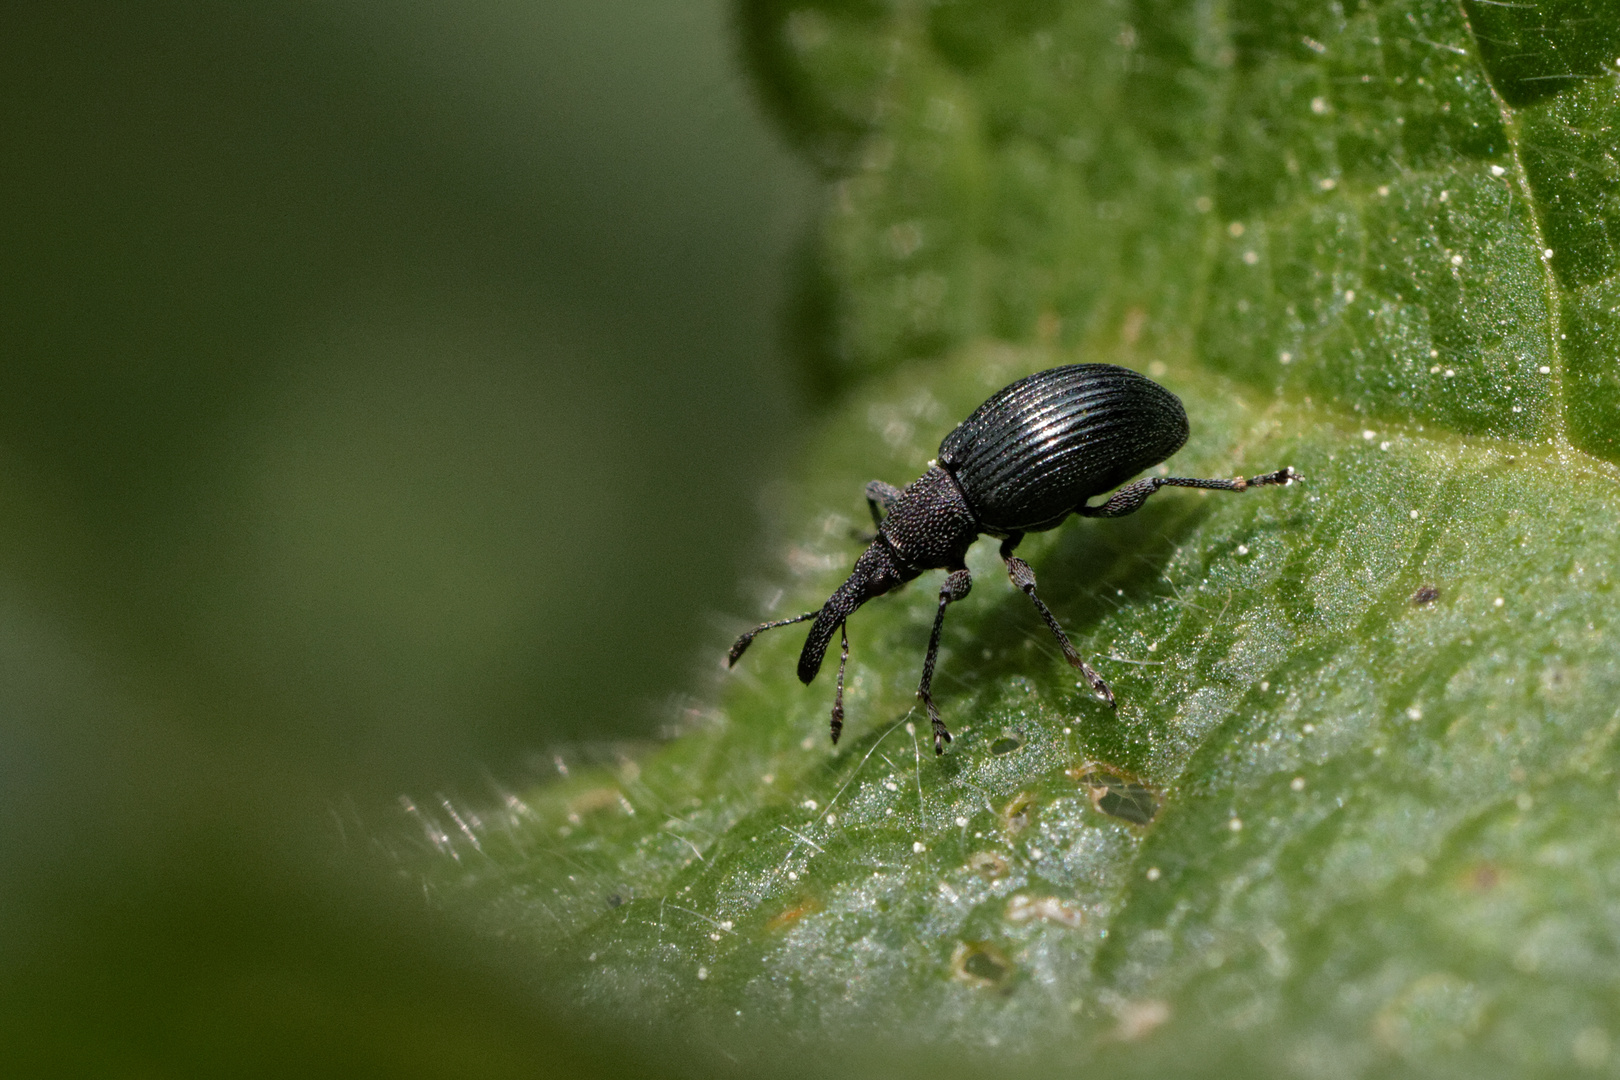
{"x": 1036, "y": 452}
{"x": 1028, "y": 457}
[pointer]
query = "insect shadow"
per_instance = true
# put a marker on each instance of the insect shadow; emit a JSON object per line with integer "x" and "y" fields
{"x": 1089, "y": 571}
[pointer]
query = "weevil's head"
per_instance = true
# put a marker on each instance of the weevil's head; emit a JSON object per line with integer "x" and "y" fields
{"x": 876, "y": 572}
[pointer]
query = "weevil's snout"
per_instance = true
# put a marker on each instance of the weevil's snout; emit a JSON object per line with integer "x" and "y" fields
{"x": 875, "y": 573}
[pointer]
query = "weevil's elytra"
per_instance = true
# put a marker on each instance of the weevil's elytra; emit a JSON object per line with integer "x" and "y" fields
{"x": 1024, "y": 455}
{"x": 1036, "y": 452}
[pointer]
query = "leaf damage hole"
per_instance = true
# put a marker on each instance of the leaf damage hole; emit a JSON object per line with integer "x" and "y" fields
{"x": 1017, "y": 814}
{"x": 1023, "y": 909}
{"x": 1118, "y": 794}
{"x": 979, "y": 963}
{"x": 1006, "y": 744}
{"x": 988, "y": 865}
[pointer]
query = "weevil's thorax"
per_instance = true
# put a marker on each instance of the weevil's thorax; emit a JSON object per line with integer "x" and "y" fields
{"x": 930, "y": 524}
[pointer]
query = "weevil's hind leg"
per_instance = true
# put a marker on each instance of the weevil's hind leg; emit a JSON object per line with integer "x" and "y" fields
{"x": 879, "y": 498}
{"x": 1023, "y": 577}
{"x": 742, "y": 643}
{"x": 958, "y": 583}
{"x": 838, "y": 697}
{"x": 1129, "y": 499}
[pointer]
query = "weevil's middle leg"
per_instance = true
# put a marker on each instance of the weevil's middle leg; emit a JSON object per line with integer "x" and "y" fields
{"x": 1129, "y": 499}
{"x": 958, "y": 583}
{"x": 1023, "y": 577}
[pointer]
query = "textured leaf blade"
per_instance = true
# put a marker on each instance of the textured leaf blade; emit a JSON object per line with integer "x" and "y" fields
{"x": 1355, "y": 812}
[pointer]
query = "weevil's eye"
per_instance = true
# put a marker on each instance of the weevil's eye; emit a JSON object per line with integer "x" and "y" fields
{"x": 884, "y": 580}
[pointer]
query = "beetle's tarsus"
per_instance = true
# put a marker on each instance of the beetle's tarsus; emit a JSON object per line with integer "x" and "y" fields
{"x": 1282, "y": 478}
{"x": 942, "y": 734}
{"x": 1098, "y": 686}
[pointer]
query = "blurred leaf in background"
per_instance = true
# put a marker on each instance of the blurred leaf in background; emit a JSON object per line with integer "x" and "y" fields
{"x": 1371, "y": 724}
{"x": 382, "y": 396}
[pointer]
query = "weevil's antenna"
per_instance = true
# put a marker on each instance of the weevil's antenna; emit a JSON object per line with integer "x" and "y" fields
{"x": 747, "y": 639}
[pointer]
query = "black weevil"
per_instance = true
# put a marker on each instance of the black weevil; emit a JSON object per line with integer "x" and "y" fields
{"x": 1029, "y": 457}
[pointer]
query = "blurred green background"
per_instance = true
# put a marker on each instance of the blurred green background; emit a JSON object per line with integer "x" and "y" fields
{"x": 384, "y": 395}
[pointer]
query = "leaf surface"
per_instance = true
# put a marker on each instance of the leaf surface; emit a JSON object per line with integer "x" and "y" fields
{"x": 1357, "y": 811}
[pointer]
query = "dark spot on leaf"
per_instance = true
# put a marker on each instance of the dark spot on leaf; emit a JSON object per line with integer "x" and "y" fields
{"x": 1119, "y": 795}
{"x": 988, "y": 864}
{"x": 1426, "y": 594}
{"x": 1005, "y": 745}
{"x": 1557, "y": 682}
{"x": 980, "y": 964}
{"x": 1483, "y": 878}
{"x": 615, "y": 900}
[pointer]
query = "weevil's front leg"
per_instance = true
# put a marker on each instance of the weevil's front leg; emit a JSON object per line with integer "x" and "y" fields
{"x": 1023, "y": 577}
{"x": 879, "y": 499}
{"x": 958, "y": 583}
{"x": 1129, "y": 499}
{"x": 838, "y": 697}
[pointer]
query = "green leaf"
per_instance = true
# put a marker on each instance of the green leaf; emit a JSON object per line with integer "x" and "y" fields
{"x": 1358, "y": 810}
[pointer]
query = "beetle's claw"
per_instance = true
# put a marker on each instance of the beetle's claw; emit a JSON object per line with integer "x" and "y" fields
{"x": 942, "y": 734}
{"x": 1098, "y": 686}
{"x": 1282, "y": 478}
